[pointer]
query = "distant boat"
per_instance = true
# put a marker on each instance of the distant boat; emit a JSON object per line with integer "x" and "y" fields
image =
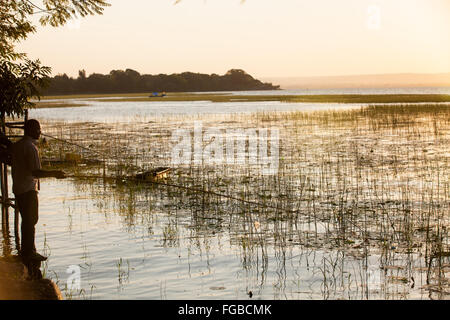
{"x": 154, "y": 174}
{"x": 156, "y": 94}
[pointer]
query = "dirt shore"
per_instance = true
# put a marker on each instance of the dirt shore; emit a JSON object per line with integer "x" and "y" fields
{"x": 15, "y": 283}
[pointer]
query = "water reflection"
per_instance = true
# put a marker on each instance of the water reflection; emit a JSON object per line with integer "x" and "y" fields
{"x": 6, "y": 238}
{"x": 157, "y": 250}
{"x": 32, "y": 268}
{"x": 167, "y": 252}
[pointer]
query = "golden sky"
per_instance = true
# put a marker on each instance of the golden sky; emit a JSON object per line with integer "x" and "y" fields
{"x": 266, "y": 38}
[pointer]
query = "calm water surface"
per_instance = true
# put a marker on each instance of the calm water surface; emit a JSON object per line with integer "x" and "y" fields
{"x": 123, "y": 256}
{"x": 140, "y": 248}
{"x": 100, "y": 111}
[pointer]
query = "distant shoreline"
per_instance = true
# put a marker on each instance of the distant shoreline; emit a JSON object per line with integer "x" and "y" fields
{"x": 84, "y": 99}
{"x": 131, "y": 81}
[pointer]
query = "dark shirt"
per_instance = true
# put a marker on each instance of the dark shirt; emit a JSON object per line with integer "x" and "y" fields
{"x": 25, "y": 160}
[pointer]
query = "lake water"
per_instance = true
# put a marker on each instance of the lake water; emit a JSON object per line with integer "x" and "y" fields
{"x": 196, "y": 264}
{"x": 124, "y": 256}
{"x": 101, "y": 111}
{"x": 138, "y": 245}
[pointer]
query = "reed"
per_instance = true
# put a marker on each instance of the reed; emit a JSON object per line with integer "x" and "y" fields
{"x": 371, "y": 181}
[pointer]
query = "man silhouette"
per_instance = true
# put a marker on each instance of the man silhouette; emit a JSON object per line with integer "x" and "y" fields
{"x": 25, "y": 171}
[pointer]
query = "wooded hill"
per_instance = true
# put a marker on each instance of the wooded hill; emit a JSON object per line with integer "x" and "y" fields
{"x": 130, "y": 81}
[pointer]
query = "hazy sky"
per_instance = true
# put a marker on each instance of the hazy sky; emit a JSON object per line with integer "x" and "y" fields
{"x": 266, "y": 38}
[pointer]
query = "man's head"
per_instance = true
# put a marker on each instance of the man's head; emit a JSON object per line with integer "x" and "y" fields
{"x": 32, "y": 128}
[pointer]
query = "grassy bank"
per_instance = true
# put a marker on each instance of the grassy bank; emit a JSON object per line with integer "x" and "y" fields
{"x": 226, "y": 97}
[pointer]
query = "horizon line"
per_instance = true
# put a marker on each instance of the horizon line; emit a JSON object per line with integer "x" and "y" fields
{"x": 361, "y": 75}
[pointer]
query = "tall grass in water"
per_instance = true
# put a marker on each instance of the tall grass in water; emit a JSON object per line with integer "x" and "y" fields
{"x": 365, "y": 188}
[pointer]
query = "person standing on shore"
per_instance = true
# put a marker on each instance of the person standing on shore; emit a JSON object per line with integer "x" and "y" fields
{"x": 25, "y": 171}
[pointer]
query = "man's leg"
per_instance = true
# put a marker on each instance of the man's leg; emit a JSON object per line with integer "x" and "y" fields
{"x": 28, "y": 207}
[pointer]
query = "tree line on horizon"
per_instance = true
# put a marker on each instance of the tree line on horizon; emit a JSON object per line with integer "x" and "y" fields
{"x": 131, "y": 81}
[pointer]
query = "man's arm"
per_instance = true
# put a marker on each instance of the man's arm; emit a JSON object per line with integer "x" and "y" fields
{"x": 34, "y": 163}
{"x": 39, "y": 173}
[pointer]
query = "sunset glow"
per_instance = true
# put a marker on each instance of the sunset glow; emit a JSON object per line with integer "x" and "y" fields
{"x": 265, "y": 38}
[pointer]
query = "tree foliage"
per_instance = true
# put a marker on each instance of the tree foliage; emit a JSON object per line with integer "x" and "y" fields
{"x": 16, "y": 23}
{"x": 19, "y": 82}
{"x": 20, "y": 78}
{"x": 57, "y": 12}
{"x": 14, "y": 26}
{"x": 130, "y": 81}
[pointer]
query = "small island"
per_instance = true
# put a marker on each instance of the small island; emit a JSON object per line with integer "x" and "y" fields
{"x": 131, "y": 81}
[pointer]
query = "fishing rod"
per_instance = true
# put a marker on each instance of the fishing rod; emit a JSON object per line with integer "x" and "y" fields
{"x": 105, "y": 156}
{"x": 165, "y": 184}
{"x": 139, "y": 180}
